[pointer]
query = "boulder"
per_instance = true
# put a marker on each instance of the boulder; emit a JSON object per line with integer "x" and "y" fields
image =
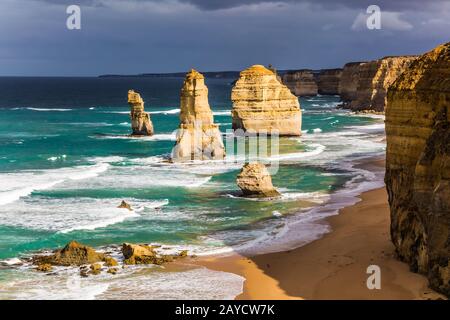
{"x": 198, "y": 138}
{"x": 138, "y": 254}
{"x": 125, "y": 205}
{"x": 140, "y": 120}
{"x": 112, "y": 271}
{"x": 110, "y": 262}
{"x": 44, "y": 267}
{"x": 96, "y": 268}
{"x": 73, "y": 254}
{"x": 255, "y": 181}
{"x": 262, "y": 104}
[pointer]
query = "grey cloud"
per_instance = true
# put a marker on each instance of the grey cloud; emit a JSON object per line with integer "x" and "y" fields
{"x": 210, "y": 5}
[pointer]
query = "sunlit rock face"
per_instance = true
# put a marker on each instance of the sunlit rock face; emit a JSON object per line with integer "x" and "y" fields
{"x": 198, "y": 138}
{"x": 261, "y": 103}
{"x": 141, "y": 124}
{"x": 255, "y": 181}
{"x": 349, "y": 81}
{"x": 363, "y": 85}
{"x": 375, "y": 77}
{"x": 418, "y": 165}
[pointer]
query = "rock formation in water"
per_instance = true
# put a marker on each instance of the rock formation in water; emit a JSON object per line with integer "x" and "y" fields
{"x": 198, "y": 138}
{"x": 255, "y": 181}
{"x": 374, "y": 79}
{"x": 301, "y": 82}
{"x": 125, "y": 205}
{"x": 262, "y": 104}
{"x": 418, "y": 165}
{"x": 140, "y": 120}
{"x": 328, "y": 81}
{"x": 73, "y": 253}
{"x": 349, "y": 81}
{"x": 145, "y": 254}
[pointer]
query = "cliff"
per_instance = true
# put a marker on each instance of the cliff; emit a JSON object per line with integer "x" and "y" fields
{"x": 262, "y": 103}
{"x": 418, "y": 165}
{"x": 301, "y": 82}
{"x": 141, "y": 124}
{"x": 374, "y": 79}
{"x": 198, "y": 138}
{"x": 328, "y": 81}
{"x": 348, "y": 84}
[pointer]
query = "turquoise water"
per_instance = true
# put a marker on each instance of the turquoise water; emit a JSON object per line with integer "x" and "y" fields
{"x": 66, "y": 163}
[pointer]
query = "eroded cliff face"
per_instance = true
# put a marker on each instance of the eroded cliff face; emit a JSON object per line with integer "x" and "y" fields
{"x": 198, "y": 138}
{"x": 262, "y": 104}
{"x": 418, "y": 165}
{"x": 374, "y": 79}
{"x": 328, "y": 81}
{"x": 301, "y": 82}
{"x": 348, "y": 84}
{"x": 141, "y": 124}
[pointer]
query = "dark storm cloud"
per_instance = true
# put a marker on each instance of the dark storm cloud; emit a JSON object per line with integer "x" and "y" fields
{"x": 135, "y": 36}
{"x": 393, "y": 5}
{"x": 385, "y": 4}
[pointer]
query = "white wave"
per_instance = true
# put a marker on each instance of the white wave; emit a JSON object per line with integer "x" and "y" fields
{"x": 116, "y": 112}
{"x": 11, "y": 262}
{"x": 171, "y": 111}
{"x": 155, "y": 137}
{"x": 107, "y": 159}
{"x": 89, "y": 124}
{"x": 139, "y": 177}
{"x": 317, "y": 197}
{"x": 21, "y": 184}
{"x": 49, "y": 109}
{"x": 151, "y": 205}
{"x": 318, "y": 149}
{"x": 277, "y": 213}
{"x": 62, "y": 157}
{"x": 370, "y": 127}
{"x": 92, "y": 108}
{"x": 126, "y": 124}
{"x": 222, "y": 113}
{"x": 65, "y": 215}
{"x": 316, "y": 130}
{"x": 133, "y": 283}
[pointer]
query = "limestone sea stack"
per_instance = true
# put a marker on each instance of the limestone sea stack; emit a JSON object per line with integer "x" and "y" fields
{"x": 198, "y": 138}
{"x": 301, "y": 82}
{"x": 255, "y": 181}
{"x": 140, "y": 120}
{"x": 261, "y": 103}
{"x": 418, "y": 165}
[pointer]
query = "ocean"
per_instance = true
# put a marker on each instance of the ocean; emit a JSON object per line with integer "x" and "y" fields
{"x": 66, "y": 163}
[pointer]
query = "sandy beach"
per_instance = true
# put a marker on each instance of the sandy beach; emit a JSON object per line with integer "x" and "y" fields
{"x": 333, "y": 267}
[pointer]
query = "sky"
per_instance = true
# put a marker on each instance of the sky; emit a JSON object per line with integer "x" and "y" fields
{"x": 145, "y": 36}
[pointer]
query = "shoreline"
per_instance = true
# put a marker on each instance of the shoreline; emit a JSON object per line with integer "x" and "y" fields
{"x": 334, "y": 266}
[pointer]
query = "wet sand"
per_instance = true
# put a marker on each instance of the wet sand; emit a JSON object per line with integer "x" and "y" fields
{"x": 335, "y": 266}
